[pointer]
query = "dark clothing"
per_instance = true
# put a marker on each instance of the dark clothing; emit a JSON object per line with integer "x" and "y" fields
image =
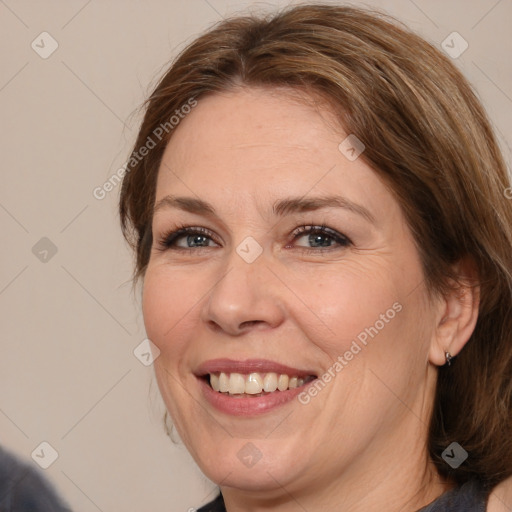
{"x": 24, "y": 489}
{"x": 217, "y": 505}
{"x": 470, "y": 497}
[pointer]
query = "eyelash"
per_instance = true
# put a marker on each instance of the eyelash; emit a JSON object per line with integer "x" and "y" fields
{"x": 169, "y": 238}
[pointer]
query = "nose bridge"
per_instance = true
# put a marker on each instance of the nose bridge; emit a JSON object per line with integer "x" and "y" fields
{"x": 242, "y": 295}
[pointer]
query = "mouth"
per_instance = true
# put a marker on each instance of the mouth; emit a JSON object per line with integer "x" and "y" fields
{"x": 251, "y": 386}
{"x": 255, "y": 384}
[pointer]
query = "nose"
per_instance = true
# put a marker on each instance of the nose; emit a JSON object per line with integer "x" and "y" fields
{"x": 246, "y": 296}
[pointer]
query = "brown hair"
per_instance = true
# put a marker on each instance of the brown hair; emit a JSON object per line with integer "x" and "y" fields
{"x": 427, "y": 136}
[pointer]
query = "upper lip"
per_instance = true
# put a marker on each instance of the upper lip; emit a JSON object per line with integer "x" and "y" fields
{"x": 249, "y": 366}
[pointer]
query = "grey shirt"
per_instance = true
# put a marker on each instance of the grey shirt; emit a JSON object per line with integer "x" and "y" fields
{"x": 469, "y": 497}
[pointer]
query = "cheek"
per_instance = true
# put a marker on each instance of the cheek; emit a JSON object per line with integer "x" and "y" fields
{"x": 373, "y": 308}
{"x": 344, "y": 301}
{"x": 168, "y": 303}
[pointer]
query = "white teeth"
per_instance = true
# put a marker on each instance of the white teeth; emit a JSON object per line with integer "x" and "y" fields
{"x": 214, "y": 381}
{"x": 223, "y": 383}
{"x": 253, "y": 383}
{"x": 236, "y": 384}
{"x": 282, "y": 382}
{"x": 270, "y": 382}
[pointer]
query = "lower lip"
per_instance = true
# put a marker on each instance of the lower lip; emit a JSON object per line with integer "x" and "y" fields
{"x": 249, "y": 406}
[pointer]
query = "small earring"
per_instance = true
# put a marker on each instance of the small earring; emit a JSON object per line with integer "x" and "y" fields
{"x": 448, "y": 358}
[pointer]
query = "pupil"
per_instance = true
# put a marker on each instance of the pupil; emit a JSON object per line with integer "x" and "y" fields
{"x": 195, "y": 239}
{"x": 317, "y": 238}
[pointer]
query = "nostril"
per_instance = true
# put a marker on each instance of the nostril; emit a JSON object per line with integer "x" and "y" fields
{"x": 249, "y": 323}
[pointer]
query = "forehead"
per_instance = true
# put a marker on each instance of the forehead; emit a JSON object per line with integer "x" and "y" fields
{"x": 254, "y": 142}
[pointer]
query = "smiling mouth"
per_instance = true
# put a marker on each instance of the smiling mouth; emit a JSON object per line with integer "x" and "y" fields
{"x": 254, "y": 384}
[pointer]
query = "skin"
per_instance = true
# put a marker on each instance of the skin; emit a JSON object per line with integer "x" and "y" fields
{"x": 500, "y": 499}
{"x": 361, "y": 441}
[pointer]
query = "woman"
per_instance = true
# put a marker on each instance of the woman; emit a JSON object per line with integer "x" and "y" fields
{"x": 319, "y": 213}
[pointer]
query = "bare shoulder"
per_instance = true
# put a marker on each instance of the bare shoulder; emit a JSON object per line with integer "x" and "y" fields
{"x": 500, "y": 499}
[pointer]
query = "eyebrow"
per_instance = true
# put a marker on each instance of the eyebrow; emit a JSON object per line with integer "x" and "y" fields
{"x": 280, "y": 208}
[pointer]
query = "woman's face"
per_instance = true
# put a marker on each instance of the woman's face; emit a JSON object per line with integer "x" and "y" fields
{"x": 252, "y": 299}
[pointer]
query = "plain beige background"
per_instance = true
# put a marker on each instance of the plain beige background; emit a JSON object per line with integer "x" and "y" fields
{"x": 70, "y": 322}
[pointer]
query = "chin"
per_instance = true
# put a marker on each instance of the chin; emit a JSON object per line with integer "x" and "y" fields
{"x": 249, "y": 464}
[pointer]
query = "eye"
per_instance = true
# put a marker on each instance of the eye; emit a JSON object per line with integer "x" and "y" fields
{"x": 320, "y": 236}
{"x": 316, "y": 238}
{"x": 186, "y": 237}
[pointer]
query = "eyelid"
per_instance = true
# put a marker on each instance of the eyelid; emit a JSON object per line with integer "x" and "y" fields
{"x": 168, "y": 238}
{"x": 340, "y": 238}
{"x": 317, "y": 228}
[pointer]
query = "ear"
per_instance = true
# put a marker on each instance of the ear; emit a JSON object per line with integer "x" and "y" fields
{"x": 457, "y": 314}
